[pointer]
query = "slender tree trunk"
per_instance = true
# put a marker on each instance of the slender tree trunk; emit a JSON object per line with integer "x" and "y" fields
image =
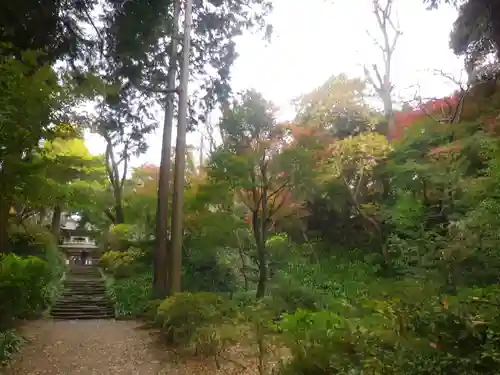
{"x": 118, "y": 208}
{"x": 243, "y": 263}
{"x": 119, "y": 213}
{"x": 494, "y": 7}
{"x": 56, "y": 222}
{"x": 116, "y": 181}
{"x": 41, "y": 215}
{"x": 260, "y": 244}
{"x": 180, "y": 160}
{"x": 160, "y": 256}
{"x": 4, "y": 225}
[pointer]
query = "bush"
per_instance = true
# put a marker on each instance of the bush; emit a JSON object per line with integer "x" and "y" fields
{"x": 292, "y": 296}
{"x": 326, "y": 343}
{"x": 203, "y": 271}
{"x": 10, "y": 342}
{"x": 205, "y": 322}
{"x": 35, "y": 240}
{"x": 23, "y": 287}
{"x": 121, "y": 263}
{"x": 131, "y": 296}
{"x": 57, "y": 266}
{"x": 121, "y": 236}
{"x": 30, "y": 239}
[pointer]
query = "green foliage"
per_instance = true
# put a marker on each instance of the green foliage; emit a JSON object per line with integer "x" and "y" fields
{"x": 23, "y": 287}
{"x": 131, "y": 295}
{"x": 28, "y": 239}
{"x": 121, "y": 264}
{"x": 339, "y": 105}
{"x": 121, "y": 236}
{"x": 204, "y": 271}
{"x": 10, "y": 342}
{"x": 34, "y": 240}
{"x": 200, "y": 321}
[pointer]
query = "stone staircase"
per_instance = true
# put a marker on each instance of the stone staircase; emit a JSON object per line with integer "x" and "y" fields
{"x": 84, "y": 295}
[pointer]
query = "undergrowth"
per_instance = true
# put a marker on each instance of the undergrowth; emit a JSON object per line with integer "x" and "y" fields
{"x": 10, "y": 343}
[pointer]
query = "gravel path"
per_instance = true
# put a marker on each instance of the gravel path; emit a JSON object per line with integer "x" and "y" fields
{"x": 93, "y": 347}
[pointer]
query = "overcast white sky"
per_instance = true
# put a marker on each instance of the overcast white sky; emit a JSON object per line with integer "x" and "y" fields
{"x": 314, "y": 39}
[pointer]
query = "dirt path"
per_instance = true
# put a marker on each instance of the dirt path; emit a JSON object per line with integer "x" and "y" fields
{"x": 103, "y": 347}
{"x": 94, "y": 347}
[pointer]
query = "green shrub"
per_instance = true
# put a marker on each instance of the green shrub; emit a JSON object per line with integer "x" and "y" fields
{"x": 121, "y": 263}
{"x": 57, "y": 265}
{"x": 205, "y": 322}
{"x": 23, "y": 287}
{"x": 326, "y": 343}
{"x": 242, "y": 299}
{"x": 131, "y": 295}
{"x": 30, "y": 239}
{"x": 203, "y": 271}
{"x": 121, "y": 236}
{"x": 10, "y": 342}
{"x": 35, "y": 240}
{"x": 292, "y": 296}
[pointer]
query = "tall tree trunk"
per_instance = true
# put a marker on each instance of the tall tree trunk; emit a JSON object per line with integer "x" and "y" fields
{"x": 180, "y": 160}
{"x": 495, "y": 23}
{"x": 4, "y": 225}
{"x": 56, "y": 222}
{"x": 261, "y": 254}
{"x": 41, "y": 215}
{"x": 160, "y": 255}
{"x": 116, "y": 180}
{"x": 119, "y": 213}
{"x": 243, "y": 269}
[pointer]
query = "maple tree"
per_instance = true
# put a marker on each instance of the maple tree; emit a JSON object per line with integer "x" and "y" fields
{"x": 439, "y": 110}
{"x": 249, "y": 162}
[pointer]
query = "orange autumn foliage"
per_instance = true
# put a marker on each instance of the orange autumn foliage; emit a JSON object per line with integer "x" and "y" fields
{"x": 280, "y": 203}
{"x": 437, "y": 108}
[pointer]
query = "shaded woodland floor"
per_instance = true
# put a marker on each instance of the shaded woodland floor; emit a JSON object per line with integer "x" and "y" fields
{"x": 101, "y": 347}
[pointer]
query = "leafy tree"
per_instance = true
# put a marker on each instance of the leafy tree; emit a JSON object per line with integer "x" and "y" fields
{"x": 248, "y": 163}
{"x": 354, "y": 163}
{"x": 214, "y": 31}
{"x": 27, "y": 104}
{"x": 338, "y": 106}
{"x": 476, "y": 32}
{"x": 71, "y": 175}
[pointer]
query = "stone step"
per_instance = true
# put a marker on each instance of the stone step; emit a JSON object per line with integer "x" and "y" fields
{"x": 61, "y": 304}
{"x": 83, "y": 269}
{"x": 91, "y": 271}
{"x": 69, "y": 313}
{"x": 83, "y": 274}
{"x": 83, "y": 283}
{"x": 83, "y": 299}
{"x": 81, "y": 295}
{"x": 80, "y": 281}
{"x": 84, "y": 292}
{"x": 84, "y": 296}
{"x": 96, "y": 290}
{"x": 84, "y": 317}
{"x": 80, "y": 308}
{"x": 80, "y": 298}
{"x": 92, "y": 289}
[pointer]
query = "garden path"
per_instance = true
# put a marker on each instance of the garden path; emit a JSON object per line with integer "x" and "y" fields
{"x": 87, "y": 347}
{"x": 100, "y": 347}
